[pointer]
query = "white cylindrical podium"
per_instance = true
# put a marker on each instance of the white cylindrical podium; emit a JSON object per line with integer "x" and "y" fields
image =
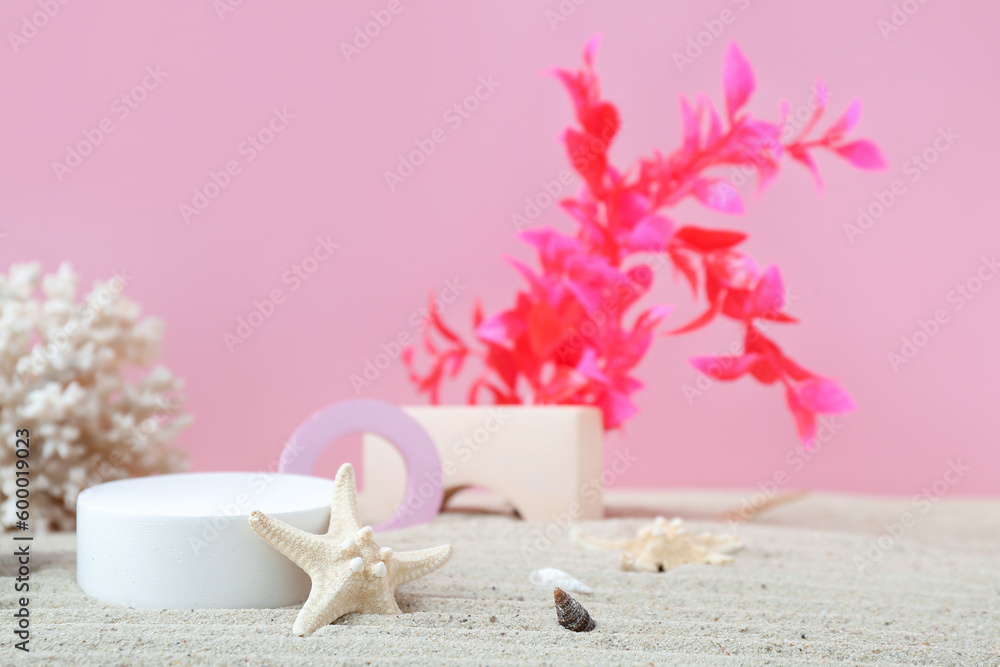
{"x": 184, "y": 541}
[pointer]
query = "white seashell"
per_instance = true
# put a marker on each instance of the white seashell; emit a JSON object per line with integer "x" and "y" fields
{"x": 728, "y": 545}
{"x": 552, "y": 577}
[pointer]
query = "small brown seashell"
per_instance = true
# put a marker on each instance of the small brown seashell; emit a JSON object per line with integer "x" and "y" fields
{"x": 571, "y": 613}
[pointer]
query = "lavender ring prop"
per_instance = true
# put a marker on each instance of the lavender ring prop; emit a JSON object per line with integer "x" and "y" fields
{"x": 424, "y": 490}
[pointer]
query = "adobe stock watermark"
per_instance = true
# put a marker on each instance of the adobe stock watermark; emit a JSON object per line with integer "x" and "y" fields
{"x": 62, "y": 338}
{"x": 455, "y": 116}
{"x": 921, "y": 504}
{"x": 144, "y": 430}
{"x": 535, "y": 205}
{"x": 134, "y": 437}
{"x": 363, "y": 35}
{"x": 562, "y": 12}
{"x": 705, "y": 381}
{"x": 915, "y": 168}
{"x": 828, "y": 426}
{"x": 248, "y": 149}
{"x": 797, "y": 118}
{"x": 295, "y": 276}
{"x": 576, "y": 339}
{"x": 241, "y": 504}
{"x": 121, "y": 108}
{"x": 959, "y": 297}
{"x": 419, "y": 319}
{"x": 462, "y": 449}
{"x": 539, "y": 540}
{"x": 898, "y": 17}
{"x": 470, "y": 443}
{"x": 713, "y": 29}
{"x": 31, "y": 24}
{"x": 223, "y": 7}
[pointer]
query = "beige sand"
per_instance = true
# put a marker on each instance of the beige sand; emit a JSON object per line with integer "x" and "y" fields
{"x": 795, "y": 596}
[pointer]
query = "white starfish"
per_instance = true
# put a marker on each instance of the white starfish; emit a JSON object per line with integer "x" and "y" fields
{"x": 665, "y": 545}
{"x": 349, "y": 572}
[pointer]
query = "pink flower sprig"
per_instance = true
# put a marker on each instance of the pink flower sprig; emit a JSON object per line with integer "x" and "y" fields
{"x": 566, "y": 340}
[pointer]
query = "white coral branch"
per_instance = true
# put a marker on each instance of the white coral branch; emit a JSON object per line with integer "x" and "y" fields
{"x": 63, "y": 366}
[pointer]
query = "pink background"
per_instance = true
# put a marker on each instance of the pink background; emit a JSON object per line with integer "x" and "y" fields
{"x": 323, "y": 175}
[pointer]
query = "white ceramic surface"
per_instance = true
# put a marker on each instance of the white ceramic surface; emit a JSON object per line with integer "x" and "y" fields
{"x": 184, "y": 541}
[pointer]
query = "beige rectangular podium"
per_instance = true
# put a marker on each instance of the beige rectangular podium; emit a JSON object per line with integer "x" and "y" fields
{"x": 546, "y": 461}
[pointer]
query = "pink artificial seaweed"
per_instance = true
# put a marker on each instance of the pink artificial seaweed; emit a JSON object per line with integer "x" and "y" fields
{"x": 565, "y": 340}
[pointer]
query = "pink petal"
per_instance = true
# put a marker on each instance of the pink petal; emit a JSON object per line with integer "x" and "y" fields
{"x": 706, "y": 240}
{"x": 502, "y": 361}
{"x": 737, "y": 79}
{"x": 863, "y": 154}
{"x": 805, "y": 420}
{"x": 589, "y": 367}
{"x": 501, "y": 327}
{"x": 617, "y": 409}
{"x": 589, "y": 163}
{"x": 651, "y": 234}
{"x": 537, "y": 282}
{"x": 719, "y": 196}
{"x": 764, "y": 371}
{"x": 714, "y": 125}
{"x": 591, "y": 48}
{"x": 585, "y": 213}
{"x": 769, "y": 294}
{"x": 601, "y": 121}
{"x": 575, "y": 86}
{"x": 692, "y": 133}
{"x": 806, "y": 158}
{"x": 784, "y": 111}
{"x": 457, "y": 361}
{"x": 439, "y": 324}
{"x": 631, "y": 207}
{"x": 822, "y": 97}
{"x": 847, "y": 121}
{"x": 737, "y": 304}
{"x": 726, "y": 367}
{"x": 640, "y": 277}
{"x": 767, "y": 172}
{"x": 647, "y": 321}
{"x": 659, "y": 312}
{"x": 684, "y": 263}
{"x": 734, "y": 269}
{"x": 700, "y": 321}
{"x": 793, "y": 370}
{"x": 592, "y": 268}
{"x": 553, "y": 247}
{"x": 825, "y": 396}
{"x": 589, "y": 296}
